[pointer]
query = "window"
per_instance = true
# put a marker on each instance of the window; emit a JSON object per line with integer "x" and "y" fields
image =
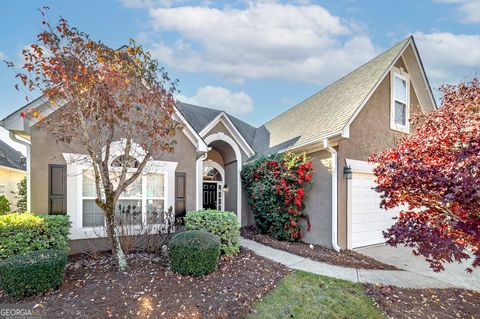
{"x": 145, "y": 194}
{"x": 400, "y": 108}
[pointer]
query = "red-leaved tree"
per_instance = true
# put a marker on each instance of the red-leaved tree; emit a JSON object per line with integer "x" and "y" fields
{"x": 435, "y": 173}
{"x": 103, "y": 101}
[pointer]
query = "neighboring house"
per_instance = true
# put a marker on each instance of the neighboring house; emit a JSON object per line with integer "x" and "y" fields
{"x": 339, "y": 127}
{"x": 12, "y": 171}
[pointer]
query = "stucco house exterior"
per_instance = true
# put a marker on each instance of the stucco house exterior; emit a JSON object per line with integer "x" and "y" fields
{"x": 339, "y": 127}
{"x": 12, "y": 171}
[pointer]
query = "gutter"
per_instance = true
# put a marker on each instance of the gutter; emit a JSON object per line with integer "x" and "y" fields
{"x": 14, "y": 137}
{"x": 334, "y": 194}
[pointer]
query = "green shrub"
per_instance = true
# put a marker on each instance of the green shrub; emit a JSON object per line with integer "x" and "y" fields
{"x": 4, "y": 205}
{"x": 32, "y": 273}
{"x": 20, "y": 233}
{"x": 223, "y": 224}
{"x": 194, "y": 252}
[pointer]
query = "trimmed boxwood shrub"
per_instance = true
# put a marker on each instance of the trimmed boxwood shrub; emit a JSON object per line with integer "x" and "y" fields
{"x": 32, "y": 273}
{"x": 223, "y": 224}
{"x": 194, "y": 252}
{"x": 24, "y": 232}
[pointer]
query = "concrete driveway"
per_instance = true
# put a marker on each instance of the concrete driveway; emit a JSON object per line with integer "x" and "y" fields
{"x": 403, "y": 258}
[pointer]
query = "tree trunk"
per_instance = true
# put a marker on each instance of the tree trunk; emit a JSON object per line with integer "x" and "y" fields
{"x": 117, "y": 250}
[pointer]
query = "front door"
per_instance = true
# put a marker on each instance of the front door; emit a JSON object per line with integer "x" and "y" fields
{"x": 209, "y": 195}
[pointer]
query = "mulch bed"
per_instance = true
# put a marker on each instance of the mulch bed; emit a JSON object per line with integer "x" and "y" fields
{"x": 346, "y": 258}
{"x": 403, "y": 303}
{"x": 93, "y": 288}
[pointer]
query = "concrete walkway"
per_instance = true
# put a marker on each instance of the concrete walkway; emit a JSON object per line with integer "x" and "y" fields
{"x": 399, "y": 278}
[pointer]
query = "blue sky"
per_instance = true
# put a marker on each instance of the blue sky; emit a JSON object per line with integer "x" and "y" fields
{"x": 258, "y": 58}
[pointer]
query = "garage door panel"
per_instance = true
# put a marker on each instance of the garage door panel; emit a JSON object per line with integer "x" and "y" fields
{"x": 368, "y": 220}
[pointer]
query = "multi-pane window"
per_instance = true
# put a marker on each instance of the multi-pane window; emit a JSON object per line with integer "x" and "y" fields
{"x": 145, "y": 194}
{"x": 400, "y": 107}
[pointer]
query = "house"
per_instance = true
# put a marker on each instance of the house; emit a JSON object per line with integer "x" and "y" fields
{"x": 338, "y": 127}
{"x": 12, "y": 171}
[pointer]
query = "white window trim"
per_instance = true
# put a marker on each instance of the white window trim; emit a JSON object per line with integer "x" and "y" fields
{"x": 77, "y": 163}
{"x": 404, "y": 76}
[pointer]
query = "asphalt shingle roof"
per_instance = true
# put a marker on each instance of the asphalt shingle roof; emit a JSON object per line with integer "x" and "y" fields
{"x": 11, "y": 158}
{"x": 327, "y": 111}
{"x": 199, "y": 117}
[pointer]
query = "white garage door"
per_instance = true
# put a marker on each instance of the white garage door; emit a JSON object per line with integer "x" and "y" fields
{"x": 368, "y": 219}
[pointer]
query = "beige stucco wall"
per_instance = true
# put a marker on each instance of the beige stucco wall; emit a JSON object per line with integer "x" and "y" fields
{"x": 45, "y": 151}
{"x": 318, "y": 201}
{"x": 9, "y": 178}
{"x": 370, "y": 132}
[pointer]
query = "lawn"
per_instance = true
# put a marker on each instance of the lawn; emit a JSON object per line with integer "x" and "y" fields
{"x": 305, "y": 295}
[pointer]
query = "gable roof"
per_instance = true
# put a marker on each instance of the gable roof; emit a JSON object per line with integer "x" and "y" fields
{"x": 327, "y": 112}
{"x": 11, "y": 158}
{"x": 200, "y": 117}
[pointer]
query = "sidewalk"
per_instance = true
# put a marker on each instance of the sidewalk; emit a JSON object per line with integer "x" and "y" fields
{"x": 399, "y": 278}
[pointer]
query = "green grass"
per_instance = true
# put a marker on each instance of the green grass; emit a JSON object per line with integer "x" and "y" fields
{"x": 305, "y": 295}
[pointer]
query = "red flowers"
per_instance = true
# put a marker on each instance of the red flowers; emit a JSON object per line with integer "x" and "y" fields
{"x": 275, "y": 191}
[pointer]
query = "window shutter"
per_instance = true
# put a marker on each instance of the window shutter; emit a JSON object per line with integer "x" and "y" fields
{"x": 180, "y": 194}
{"x": 57, "y": 189}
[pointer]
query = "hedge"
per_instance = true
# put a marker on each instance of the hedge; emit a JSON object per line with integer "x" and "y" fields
{"x": 32, "y": 273}
{"x": 194, "y": 252}
{"x": 25, "y": 232}
{"x": 223, "y": 224}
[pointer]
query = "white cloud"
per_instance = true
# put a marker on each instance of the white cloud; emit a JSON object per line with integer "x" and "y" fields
{"x": 2, "y": 55}
{"x": 468, "y": 9}
{"x": 448, "y": 57}
{"x": 220, "y": 98}
{"x": 262, "y": 40}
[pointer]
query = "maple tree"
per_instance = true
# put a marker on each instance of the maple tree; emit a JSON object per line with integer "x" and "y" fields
{"x": 435, "y": 173}
{"x": 104, "y": 101}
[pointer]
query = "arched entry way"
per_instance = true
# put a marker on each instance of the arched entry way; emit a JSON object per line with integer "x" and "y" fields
{"x": 218, "y": 175}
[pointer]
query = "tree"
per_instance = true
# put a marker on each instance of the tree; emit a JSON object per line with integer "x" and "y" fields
{"x": 4, "y": 205}
{"x": 103, "y": 99}
{"x": 21, "y": 195}
{"x": 435, "y": 172}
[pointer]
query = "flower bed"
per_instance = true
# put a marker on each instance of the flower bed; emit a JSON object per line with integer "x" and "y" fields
{"x": 92, "y": 288}
{"x": 346, "y": 258}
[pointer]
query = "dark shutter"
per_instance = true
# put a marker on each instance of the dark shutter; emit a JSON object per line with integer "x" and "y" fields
{"x": 57, "y": 189}
{"x": 180, "y": 194}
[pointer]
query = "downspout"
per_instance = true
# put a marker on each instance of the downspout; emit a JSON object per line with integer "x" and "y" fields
{"x": 334, "y": 193}
{"x": 14, "y": 137}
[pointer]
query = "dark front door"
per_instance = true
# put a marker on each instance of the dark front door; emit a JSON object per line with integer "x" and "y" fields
{"x": 209, "y": 195}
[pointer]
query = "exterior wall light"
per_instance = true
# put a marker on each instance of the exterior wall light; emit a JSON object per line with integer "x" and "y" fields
{"x": 225, "y": 188}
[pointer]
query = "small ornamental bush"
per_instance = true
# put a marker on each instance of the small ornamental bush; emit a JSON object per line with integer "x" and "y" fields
{"x": 194, "y": 252}
{"x": 223, "y": 224}
{"x": 4, "y": 205}
{"x": 20, "y": 233}
{"x": 275, "y": 189}
{"x": 32, "y": 273}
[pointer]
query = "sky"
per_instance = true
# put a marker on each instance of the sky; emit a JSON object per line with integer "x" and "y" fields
{"x": 256, "y": 59}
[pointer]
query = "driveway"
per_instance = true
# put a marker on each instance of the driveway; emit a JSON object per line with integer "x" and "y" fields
{"x": 402, "y": 257}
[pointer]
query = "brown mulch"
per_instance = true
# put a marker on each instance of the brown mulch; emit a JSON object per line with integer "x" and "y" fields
{"x": 403, "y": 303}
{"x": 94, "y": 289}
{"x": 346, "y": 258}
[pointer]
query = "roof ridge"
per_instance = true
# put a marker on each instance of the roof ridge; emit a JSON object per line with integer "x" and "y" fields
{"x": 343, "y": 77}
